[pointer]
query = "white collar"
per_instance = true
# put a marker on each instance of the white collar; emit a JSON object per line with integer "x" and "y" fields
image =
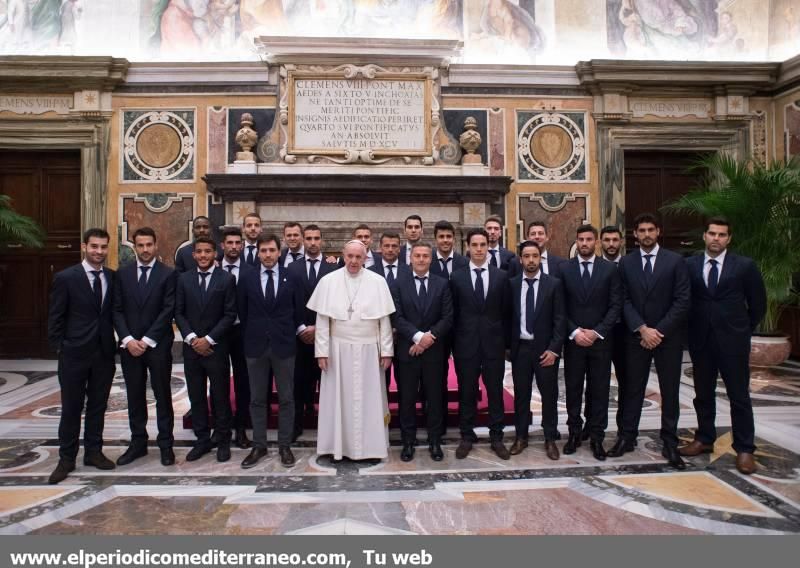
{"x": 426, "y": 275}
{"x": 653, "y": 252}
{"x": 151, "y": 264}
{"x": 387, "y": 264}
{"x": 473, "y": 266}
{"x": 209, "y": 271}
{"x": 88, "y": 267}
{"x": 720, "y": 257}
{"x": 236, "y": 264}
{"x": 440, "y": 257}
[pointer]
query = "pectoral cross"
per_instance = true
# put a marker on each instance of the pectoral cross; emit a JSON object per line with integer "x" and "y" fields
{"x": 350, "y": 311}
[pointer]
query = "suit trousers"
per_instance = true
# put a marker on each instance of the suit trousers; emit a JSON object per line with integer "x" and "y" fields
{"x": 470, "y": 368}
{"x": 215, "y": 368}
{"x": 523, "y": 369}
{"x": 241, "y": 382}
{"x": 592, "y": 365}
{"x": 618, "y": 347}
{"x": 668, "y": 357}
{"x": 83, "y": 379}
{"x": 158, "y": 362}
{"x": 734, "y": 366}
{"x": 261, "y": 369}
{"x": 420, "y": 373}
{"x": 306, "y": 380}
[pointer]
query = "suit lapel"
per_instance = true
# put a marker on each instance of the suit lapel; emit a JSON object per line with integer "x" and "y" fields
{"x": 594, "y": 277}
{"x": 658, "y": 268}
{"x": 155, "y": 272}
{"x": 727, "y": 270}
{"x": 544, "y": 286}
{"x": 86, "y": 284}
{"x": 107, "y": 297}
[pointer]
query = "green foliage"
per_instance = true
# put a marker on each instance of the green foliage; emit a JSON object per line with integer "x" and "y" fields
{"x": 763, "y": 205}
{"x": 16, "y": 228}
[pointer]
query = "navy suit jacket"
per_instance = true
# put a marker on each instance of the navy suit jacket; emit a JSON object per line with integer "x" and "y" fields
{"x": 299, "y": 271}
{"x": 550, "y": 318}
{"x": 664, "y": 304}
{"x": 600, "y": 307}
{"x": 272, "y": 326}
{"x": 75, "y": 323}
{"x": 148, "y": 313}
{"x": 459, "y": 261}
{"x": 285, "y": 251}
{"x": 184, "y": 260}
{"x": 555, "y": 264}
{"x": 479, "y": 330}
{"x": 400, "y": 270}
{"x": 435, "y": 316}
{"x": 736, "y": 308}
{"x": 214, "y": 317}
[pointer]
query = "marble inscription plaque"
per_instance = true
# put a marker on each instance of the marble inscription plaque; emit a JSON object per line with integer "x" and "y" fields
{"x": 670, "y": 108}
{"x": 40, "y": 104}
{"x": 386, "y": 116}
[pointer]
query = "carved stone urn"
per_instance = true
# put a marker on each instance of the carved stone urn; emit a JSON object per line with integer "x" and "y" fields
{"x": 246, "y": 138}
{"x": 470, "y": 140}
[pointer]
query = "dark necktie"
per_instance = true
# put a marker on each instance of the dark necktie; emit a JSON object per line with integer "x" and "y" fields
{"x": 251, "y": 254}
{"x": 445, "y": 271}
{"x": 269, "y": 292}
{"x": 422, "y": 294}
{"x": 390, "y": 276}
{"x": 230, "y": 268}
{"x": 479, "y": 294}
{"x": 203, "y": 276}
{"x": 97, "y": 287}
{"x": 312, "y": 272}
{"x": 713, "y": 277}
{"x": 585, "y": 276}
{"x": 143, "y": 277}
{"x": 648, "y": 268}
{"x": 493, "y": 262}
{"x": 530, "y": 304}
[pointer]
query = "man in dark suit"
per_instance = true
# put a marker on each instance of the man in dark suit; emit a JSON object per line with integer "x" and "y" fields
{"x": 481, "y": 307}
{"x": 184, "y": 259}
{"x": 423, "y": 319}
{"x": 293, "y": 239}
{"x": 271, "y": 305}
{"x": 144, "y": 304}
{"x": 499, "y": 256}
{"x": 306, "y": 370}
{"x": 233, "y": 263}
{"x": 728, "y": 302}
{"x": 390, "y": 266}
{"x": 656, "y": 285}
{"x": 364, "y": 234}
{"x": 251, "y": 229}
{"x": 80, "y": 329}
{"x": 205, "y": 309}
{"x": 412, "y": 227}
{"x": 593, "y": 296}
{"x": 537, "y": 329}
{"x": 551, "y": 264}
{"x": 445, "y": 259}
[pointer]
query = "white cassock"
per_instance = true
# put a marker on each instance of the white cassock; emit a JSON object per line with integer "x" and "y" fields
{"x": 353, "y": 332}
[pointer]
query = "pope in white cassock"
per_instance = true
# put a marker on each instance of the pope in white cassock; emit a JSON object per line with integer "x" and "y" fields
{"x": 353, "y": 346}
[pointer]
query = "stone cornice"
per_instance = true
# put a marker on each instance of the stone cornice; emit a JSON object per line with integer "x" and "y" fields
{"x": 602, "y": 76}
{"x": 28, "y": 73}
{"x": 789, "y": 76}
{"x": 463, "y": 75}
{"x": 221, "y": 73}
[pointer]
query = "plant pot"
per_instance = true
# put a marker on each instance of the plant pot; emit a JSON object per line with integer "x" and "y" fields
{"x": 789, "y": 323}
{"x": 769, "y": 350}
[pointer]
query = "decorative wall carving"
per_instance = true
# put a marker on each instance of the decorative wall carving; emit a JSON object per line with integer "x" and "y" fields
{"x": 169, "y": 214}
{"x": 758, "y": 132}
{"x": 563, "y": 213}
{"x": 791, "y": 130}
{"x": 158, "y": 146}
{"x": 551, "y": 146}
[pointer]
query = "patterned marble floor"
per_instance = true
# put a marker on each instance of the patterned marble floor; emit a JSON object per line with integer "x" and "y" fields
{"x": 529, "y": 494}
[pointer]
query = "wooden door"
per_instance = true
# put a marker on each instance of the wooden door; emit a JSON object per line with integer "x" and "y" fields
{"x": 653, "y": 179}
{"x": 47, "y": 187}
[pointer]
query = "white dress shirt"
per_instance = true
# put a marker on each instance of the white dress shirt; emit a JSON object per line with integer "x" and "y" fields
{"x": 370, "y": 260}
{"x": 590, "y": 266}
{"x": 290, "y": 259}
{"x": 188, "y": 339}
{"x": 543, "y": 263}
{"x": 386, "y": 265}
{"x": 418, "y": 336}
{"x": 654, "y": 252}
{"x": 523, "y": 319}
{"x": 484, "y": 276}
{"x": 707, "y": 266}
{"x": 103, "y": 282}
{"x": 265, "y": 279}
{"x": 236, "y": 265}
{"x": 125, "y": 340}
{"x": 246, "y": 250}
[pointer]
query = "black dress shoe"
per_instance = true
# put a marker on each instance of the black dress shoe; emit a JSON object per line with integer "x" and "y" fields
{"x": 674, "y": 459}
{"x": 198, "y": 451}
{"x": 435, "y": 449}
{"x": 517, "y": 447}
{"x": 167, "y": 456}
{"x": 241, "y": 440}
{"x": 223, "y": 452}
{"x": 598, "y": 451}
{"x": 407, "y": 453}
{"x": 573, "y": 443}
{"x": 585, "y": 433}
{"x": 620, "y": 448}
{"x": 287, "y": 457}
{"x": 463, "y": 449}
{"x": 551, "y": 450}
{"x": 255, "y": 456}
{"x": 133, "y": 452}
{"x": 61, "y": 471}
{"x": 499, "y": 448}
{"x": 98, "y": 460}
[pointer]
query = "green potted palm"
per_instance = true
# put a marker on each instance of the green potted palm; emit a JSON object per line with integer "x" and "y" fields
{"x": 762, "y": 202}
{"x": 16, "y": 228}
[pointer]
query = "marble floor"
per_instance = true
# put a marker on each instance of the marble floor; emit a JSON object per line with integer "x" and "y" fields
{"x": 529, "y": 494}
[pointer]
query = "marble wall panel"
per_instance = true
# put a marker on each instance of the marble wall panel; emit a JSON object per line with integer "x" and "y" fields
{"x": 169, "y": 214}
{"x": 562, "y": 212}
{"x": 158, "y": 146}
{"x": 217, "y": 140}
{"x": 497, "y": 142}
{"x": 791, "y": 131}
{"x": 551, "y": 146}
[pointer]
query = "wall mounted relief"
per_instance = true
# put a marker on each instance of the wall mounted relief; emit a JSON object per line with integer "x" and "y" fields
{"x": 551, "y": 146}
{"x": 158, "y": 146}
{"x": 562, "y": 212}
{"x": 758, "y": 131}
{"x": 169, "y": 214}
{"x": 791, "y": 129}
